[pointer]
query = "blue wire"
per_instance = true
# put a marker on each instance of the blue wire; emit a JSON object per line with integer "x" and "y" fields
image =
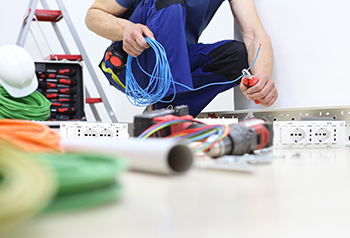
{"x": 160, "y": 79}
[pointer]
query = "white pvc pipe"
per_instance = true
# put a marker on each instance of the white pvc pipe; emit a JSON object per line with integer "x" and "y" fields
{"x": 149, "y": 155}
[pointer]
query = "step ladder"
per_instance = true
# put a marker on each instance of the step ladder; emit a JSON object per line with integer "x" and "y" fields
{"x": 55, "y": 16}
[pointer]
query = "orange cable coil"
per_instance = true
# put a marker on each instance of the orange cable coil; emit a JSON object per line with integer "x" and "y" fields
{"x": 30, "y": 136}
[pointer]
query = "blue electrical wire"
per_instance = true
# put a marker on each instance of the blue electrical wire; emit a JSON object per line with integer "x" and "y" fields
{"x": 160, "y": 79}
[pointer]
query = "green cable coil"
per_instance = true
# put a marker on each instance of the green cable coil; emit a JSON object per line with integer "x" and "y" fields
{"x": 84, "y": 180}
{"x": 32, "y": 107}
{"x": 31, "y": 184}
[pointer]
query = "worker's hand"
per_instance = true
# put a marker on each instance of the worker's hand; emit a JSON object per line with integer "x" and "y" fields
{"x": 134, "y": 42}
{"x": 264, "y": 91}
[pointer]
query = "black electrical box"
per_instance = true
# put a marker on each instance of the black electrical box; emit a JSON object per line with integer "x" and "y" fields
{"x": 62, "y": 83}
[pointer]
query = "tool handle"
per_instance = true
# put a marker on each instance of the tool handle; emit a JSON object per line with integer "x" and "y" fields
{"x": 55, "y": 95}
{"x": 64, "y": 110}
{"x": 58, "y": 104}
{"x": 70, "y": 91}
{"x": 68, "y": 100}
{"x": 250, "y": 83}
{"x": 67, "y": 81}
{"x": 52, "y": 85}
{"x": 253, "y": 81}
{"x": 52, "y": 76}
{"x": 70, "y": 82}
{"x": 67, "y": 72}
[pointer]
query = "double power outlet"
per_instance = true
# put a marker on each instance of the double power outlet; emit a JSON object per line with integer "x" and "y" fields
{"x": 116, "y": 131}
{"x": 314, "y": 134}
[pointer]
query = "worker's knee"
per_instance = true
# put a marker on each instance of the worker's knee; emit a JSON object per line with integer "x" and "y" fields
{"x": 228, "y": 59}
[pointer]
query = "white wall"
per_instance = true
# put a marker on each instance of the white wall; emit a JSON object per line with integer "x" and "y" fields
{"x": 311, "y": 50}
{"x": 220, "y": 28}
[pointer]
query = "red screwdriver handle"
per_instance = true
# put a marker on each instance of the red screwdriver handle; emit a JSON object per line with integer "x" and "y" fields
{"x": 57, "y": 104}
{"x": 69, "y": 72}
{"x": 51, "y": 76}
{"x": 69, "y": 100}
{"x": 64, "y": 110}
{"x": 56, "y": 95}
{"x": 68, "y": 81}
{"x": 66, "y": 72}
{"x": 67, "y": 110}
{"x": 68, "y": 91}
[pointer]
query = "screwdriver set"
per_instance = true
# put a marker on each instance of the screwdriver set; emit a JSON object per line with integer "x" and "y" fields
{"x": 62, "y": 84}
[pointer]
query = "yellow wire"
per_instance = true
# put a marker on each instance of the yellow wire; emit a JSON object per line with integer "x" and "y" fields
{"x": 26, "y": 187}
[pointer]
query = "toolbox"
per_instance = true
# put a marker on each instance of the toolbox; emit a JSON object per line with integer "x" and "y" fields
{"x": 61, "y": 82}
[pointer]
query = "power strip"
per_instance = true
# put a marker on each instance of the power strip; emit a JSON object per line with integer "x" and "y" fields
{"x": 310, "y": 134}
{"x": 116, "y": 131}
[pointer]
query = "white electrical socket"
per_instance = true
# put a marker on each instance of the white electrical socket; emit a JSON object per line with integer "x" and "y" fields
{"x": 309, "y": 134}
{"x": 89, "y": 132}
{"x": 116, "y": 131}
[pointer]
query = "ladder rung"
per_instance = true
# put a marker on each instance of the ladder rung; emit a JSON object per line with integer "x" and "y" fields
{"x": 46, "y": 15}
{"x": 64, "y": 57}
{"x": 93, "y": 100}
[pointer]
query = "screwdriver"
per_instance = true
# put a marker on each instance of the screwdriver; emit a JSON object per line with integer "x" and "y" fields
{"x": 249, "y": 81}
{"x": 57, "y": 104}
{"x": 52, "y": 85}
{"x": 70, "y": 100}
{"x": 67, "y": 72}
{"x": 56, "y": 95}
{"x": 52, "y": 76}
{"x": 64, "y": 110}
{"x": 70, "y": 91}
{"x": 67, "y": 81}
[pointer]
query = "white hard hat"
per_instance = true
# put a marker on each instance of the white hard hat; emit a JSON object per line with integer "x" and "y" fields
{"x": 17, "y": 71}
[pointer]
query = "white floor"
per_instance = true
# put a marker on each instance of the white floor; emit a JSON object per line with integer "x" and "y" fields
{"x": 302, "y": 193}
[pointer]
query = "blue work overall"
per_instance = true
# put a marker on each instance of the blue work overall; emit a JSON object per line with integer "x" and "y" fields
{"x": 192, "y": 65}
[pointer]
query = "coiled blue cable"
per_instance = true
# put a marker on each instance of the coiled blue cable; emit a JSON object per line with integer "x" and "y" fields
{"x": 160, "y": 79}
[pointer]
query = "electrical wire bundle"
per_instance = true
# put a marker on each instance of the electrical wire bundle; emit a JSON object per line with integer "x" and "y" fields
{"x": 41, "y": 183}
{"x": 215, "y": 132}
{"x": 26, "y": 187}
{"x": 76, "y": 172}
{"x": 32, "y": 107}
{"x": 36, "y": 175}
{"x": 199, "y": 134}
{"x": 30, "y": 136}
{"x": 160, "y": 79}
{"x": 159, "y": 83}
{"x": 84, "y": 180}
